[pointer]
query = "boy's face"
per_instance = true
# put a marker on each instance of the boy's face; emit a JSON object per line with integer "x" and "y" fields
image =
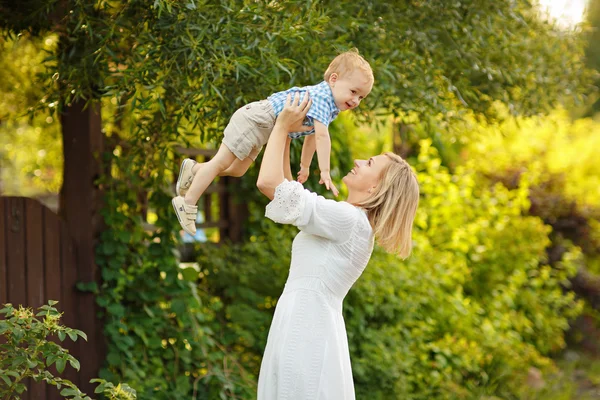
{"x": 349, "y": 90}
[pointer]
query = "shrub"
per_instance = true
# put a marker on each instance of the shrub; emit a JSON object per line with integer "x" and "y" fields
{"x": 472, "y": 308}
{"x": 161, "y": 329}
{"x": 27, "y": 353}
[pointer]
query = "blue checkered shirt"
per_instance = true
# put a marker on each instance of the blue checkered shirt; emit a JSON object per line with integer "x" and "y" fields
{"x": 323, "y": 107}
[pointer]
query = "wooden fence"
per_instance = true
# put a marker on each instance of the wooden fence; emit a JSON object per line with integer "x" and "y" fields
{"x": 37, "y": 264}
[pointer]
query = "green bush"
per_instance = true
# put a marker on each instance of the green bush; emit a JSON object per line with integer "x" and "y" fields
{"x": 247, "y": 278}
{"x": 27, "y": 353}
{"x": 474, "y": 305}
{"x": 161, "y": 330}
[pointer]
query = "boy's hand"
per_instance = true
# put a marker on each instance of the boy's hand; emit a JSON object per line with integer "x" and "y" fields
{"x": 326, "y": 180}
{"x": 303, "y": 174}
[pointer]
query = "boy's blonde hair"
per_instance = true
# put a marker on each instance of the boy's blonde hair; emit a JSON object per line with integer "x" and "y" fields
{"x": 392, "y": 207}
{"x": 346, "y": 63}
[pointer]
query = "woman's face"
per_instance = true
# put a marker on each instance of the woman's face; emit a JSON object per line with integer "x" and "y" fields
{"x": 366, "y": 174}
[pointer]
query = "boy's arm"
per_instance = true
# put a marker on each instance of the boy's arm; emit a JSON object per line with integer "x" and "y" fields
{"x": 323, "y": 146}
{"x": 308, "y": 150}
{"x": 287, "y": 169}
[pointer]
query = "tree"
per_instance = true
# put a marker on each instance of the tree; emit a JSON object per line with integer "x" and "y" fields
{"x": 592, "y": 49}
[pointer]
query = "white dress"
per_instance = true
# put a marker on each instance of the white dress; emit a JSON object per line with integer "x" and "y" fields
{"x": 307, "y": 356}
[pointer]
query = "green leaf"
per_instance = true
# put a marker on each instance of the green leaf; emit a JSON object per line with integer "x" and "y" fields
{"x": 69, "y": 392}
{"x": 148, "y": 311}
{"x": 60, "y": 365}
{"x": 100, "y": 388}
{"x": 117, "y": 310}
{"x": 18, "y": 333}
{"x": 74, "y": 363}
{"x": 52, "y": 302}
{"x": 108, "y": 248}
{"x": 190, "y": 274}
{"x": 90, "y": 287}
{"x": 51, "y": 359}
{"x": 6, "y": 379}
{"x": 72, "y": 335}
{"x": 62, "y": 335}
{"x": 82, "y": 334}
{"x": 6, "y": 310}
{"x": 18, "y": 362}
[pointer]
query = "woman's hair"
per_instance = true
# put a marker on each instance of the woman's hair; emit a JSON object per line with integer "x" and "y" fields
{"x": 392, "y": 207}
{"x": 346, "y": 63}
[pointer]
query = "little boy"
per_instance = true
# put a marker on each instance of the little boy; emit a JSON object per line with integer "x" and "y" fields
{"x": 347, "y": 81}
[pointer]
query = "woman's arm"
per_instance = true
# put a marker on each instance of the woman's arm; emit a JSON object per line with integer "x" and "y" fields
{"x": 287, "y": 168}
{"x": 271, "y": 169}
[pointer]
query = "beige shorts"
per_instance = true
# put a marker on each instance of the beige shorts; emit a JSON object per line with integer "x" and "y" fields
{"x": 249, "y": 129}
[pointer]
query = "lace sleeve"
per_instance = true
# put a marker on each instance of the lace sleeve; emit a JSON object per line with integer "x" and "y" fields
{"x": 287, "y": 204}
{"x": 315, "y": 215}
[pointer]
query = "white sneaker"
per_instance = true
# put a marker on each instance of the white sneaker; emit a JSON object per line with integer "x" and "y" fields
{"x": 186, "y": 214}
{"x": 186, "y": 176}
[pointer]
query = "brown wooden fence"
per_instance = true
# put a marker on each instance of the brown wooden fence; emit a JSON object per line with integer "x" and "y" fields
{"x": 37, "y": 264}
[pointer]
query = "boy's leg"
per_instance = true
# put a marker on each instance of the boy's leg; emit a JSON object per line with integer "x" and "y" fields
{"x": 208, "y": 172}
{"x": 238, "y": 167}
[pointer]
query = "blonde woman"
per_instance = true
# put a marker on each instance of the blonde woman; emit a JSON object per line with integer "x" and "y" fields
{"x": 307, "y": 356}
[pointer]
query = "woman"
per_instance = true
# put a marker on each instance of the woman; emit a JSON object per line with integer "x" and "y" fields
{"x": 307, "y": 354}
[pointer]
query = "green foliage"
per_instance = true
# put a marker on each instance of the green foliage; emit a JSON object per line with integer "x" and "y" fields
{"x": 556, "y": 155}
{"x": 26, "y": 353}
{"x": 208, "y": 58}
{"x": 158, "y": 324}
{"x": 579, "y": 378}
{"x": 444, "y": 57}
{"x": 30, "y": 146}
{"x": 247, "y": 279}
{"x": 471, "y": 307}
{"x": 592, "y": 48}
{"x": 541, "y": 148}
{"x": 120, "y": 392}
{"x": 28, "y": 15}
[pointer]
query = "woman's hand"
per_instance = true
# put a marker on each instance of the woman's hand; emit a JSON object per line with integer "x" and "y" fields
{"x": 291, "y": 117}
